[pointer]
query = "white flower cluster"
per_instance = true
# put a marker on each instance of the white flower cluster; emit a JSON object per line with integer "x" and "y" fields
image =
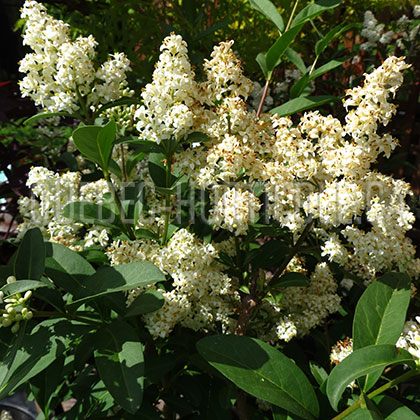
{"x": 341, "y": 350}
{"x": 52, "y": 192}
{"x": 403, "y": 30}
{"x": 235, "y": 210}
{"x": 16, "y": 308}
{"x": 410, "y": 338}
{"x": 61, "y": 72}
{"x": 202, "y": 295}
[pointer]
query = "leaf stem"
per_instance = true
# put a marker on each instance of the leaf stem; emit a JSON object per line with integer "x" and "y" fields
{"x": 260, "y": 106}
{"x": 291, "y": 16}
{"x": 380, "y": 390}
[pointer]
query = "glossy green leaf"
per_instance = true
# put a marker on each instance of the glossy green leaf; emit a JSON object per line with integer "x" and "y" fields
{"x": 29, "y": 259}
{"x": 360, "y": 363}
{"x": 66, "y": 268}
{"x": 296, "y": 59}
{"x": 334, "y": 33}
{"x": 85, "y": 139}
{"x": 270, "y": 11}
{"x": 105, "y": 141}
{"x": 393, "y": 409}
{"x": 301, "y": 104}
{"x": 118, "y": 278}
{"x": 22, "y": 286}
{"x": 261, "y": 60}
{"x": 144, "y": 303}
{"x": 291, "y": 279}
{"x": 262, "y": 371}
{"x": 91, "y": 214}
{"x": 157, "y": 170}
{"x": 380, "y": 315}
{"x": 277, "y": 50}
{"x": 45, "y": 115}
{"x": 312, "y": 10}
{"x": 119, "y": 359}
{"x": 328, "y": 67}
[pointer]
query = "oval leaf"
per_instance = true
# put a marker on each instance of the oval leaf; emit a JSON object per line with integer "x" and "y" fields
{"x": 120, "y": 363}
{"x": 312, "y": 10}
{"x": 85, "y": 139}
{"x": 291, "y": 279}
{"x": 301, "y": 104}
{"x": 119, "y": 278}
{"x": 269, "y": 10}
{"x": 262, "y": 371}
{"x": 91, "y": 214}
{"x": 29, "y": 260}
{"x": 360, "y": 363}
{"x": 334, "y": 33}
{"x": 105, "y": 140}
{"x": 21, "y": 286}
{"x": 149, "y": 301}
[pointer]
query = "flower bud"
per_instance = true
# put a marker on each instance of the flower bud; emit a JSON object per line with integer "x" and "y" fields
{"x": 6, "y": 322}
{"x": 11, "y": 279}
{"x": 29, "y": 315}
{"x": 15, "y": 328}
{"x": 27, "y": 295}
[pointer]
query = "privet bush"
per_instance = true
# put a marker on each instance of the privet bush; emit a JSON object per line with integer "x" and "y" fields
{"x": 190, "y": 266}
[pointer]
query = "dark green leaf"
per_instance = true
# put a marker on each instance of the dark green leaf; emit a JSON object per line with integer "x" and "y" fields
{"x": 368, "y": 412}
{"x": 291, "y": 279}
{"x": 360, "y": 363}
{"x": 29, "y": 259}
{"x": 119, "y": 278}
{"x": 131, "y": 162}
{"x": 119, "y": 359}
{"x": 261, "y": 60}
{"x": 269, "y": 10}
{"x": 91, "y": 214}
{"x": 297, "y": 89}
{"x": 45, "y": 115}
{"x": 393, "y": 409}
{"x": 146, "y": 302}
{"x": 105, "y": 140}
{"x": 195, "y": 137}
{"x": 157, "y": 170}
{"x": 296, "y": 59}
{"x": 301, "y": 104}
{"x": 334, "y": 33}
{"x": 262, "y": 371}
{"x": 66, "y": 268}
{"x": 380, "y": 315}
{"x": 277, "y": 50}
{"x": 85, "y": 139}
{"x": 21, "y": 286}
{"x": 318, "y": 372}
{"x": 312, "y": 10}
{"x": 146, "y": 234}
{"x": 327, "y": 67}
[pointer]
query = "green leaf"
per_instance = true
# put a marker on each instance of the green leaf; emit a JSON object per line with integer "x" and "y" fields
{"x": 296, "y": 59}
{"x": 360, "y": 363}
{"x": 277, "y": 50}
{"x": 262, "y": 371}
{"x": 195, "y": 137}
{"x": 45, "y": 115}
{"x": 157, "y": 170}
{"x": 21, "y": 286}
{"x": 33, "y": 353}
{"x": 334, "y": 33}
{"x": 312, "y": 10}
{"x": 85, "y": 139}
{"x": 381, "y": 310}
{"x": 261, "y": 60}
{"x": 301, "y": 104}
{"x": 291, "y": 279}
{"x": 380, "y": 315}
{"x": 393, "y": 409}
{"x": 105, "y": 140}
{"x": 269, "y": 10}
{"x": 29, "y": 259}
{"x": 118, "y": 278}
{"x": 318, "y": 372}
{"x": 119, "y": 359}
{"x": 145, "y": 146}
{"x": 91, "y": 214}
{"x": 146, "y": 302}
{"x": 327, "y": 67}
{"x": 146, "y": 234}
{"x": 297, "y": 89}
{"x": 131, "y": 162}
{"x": 66, "y": 268}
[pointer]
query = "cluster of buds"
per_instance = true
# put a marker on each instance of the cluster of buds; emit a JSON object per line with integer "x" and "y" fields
{"x": 16, "y": 308}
